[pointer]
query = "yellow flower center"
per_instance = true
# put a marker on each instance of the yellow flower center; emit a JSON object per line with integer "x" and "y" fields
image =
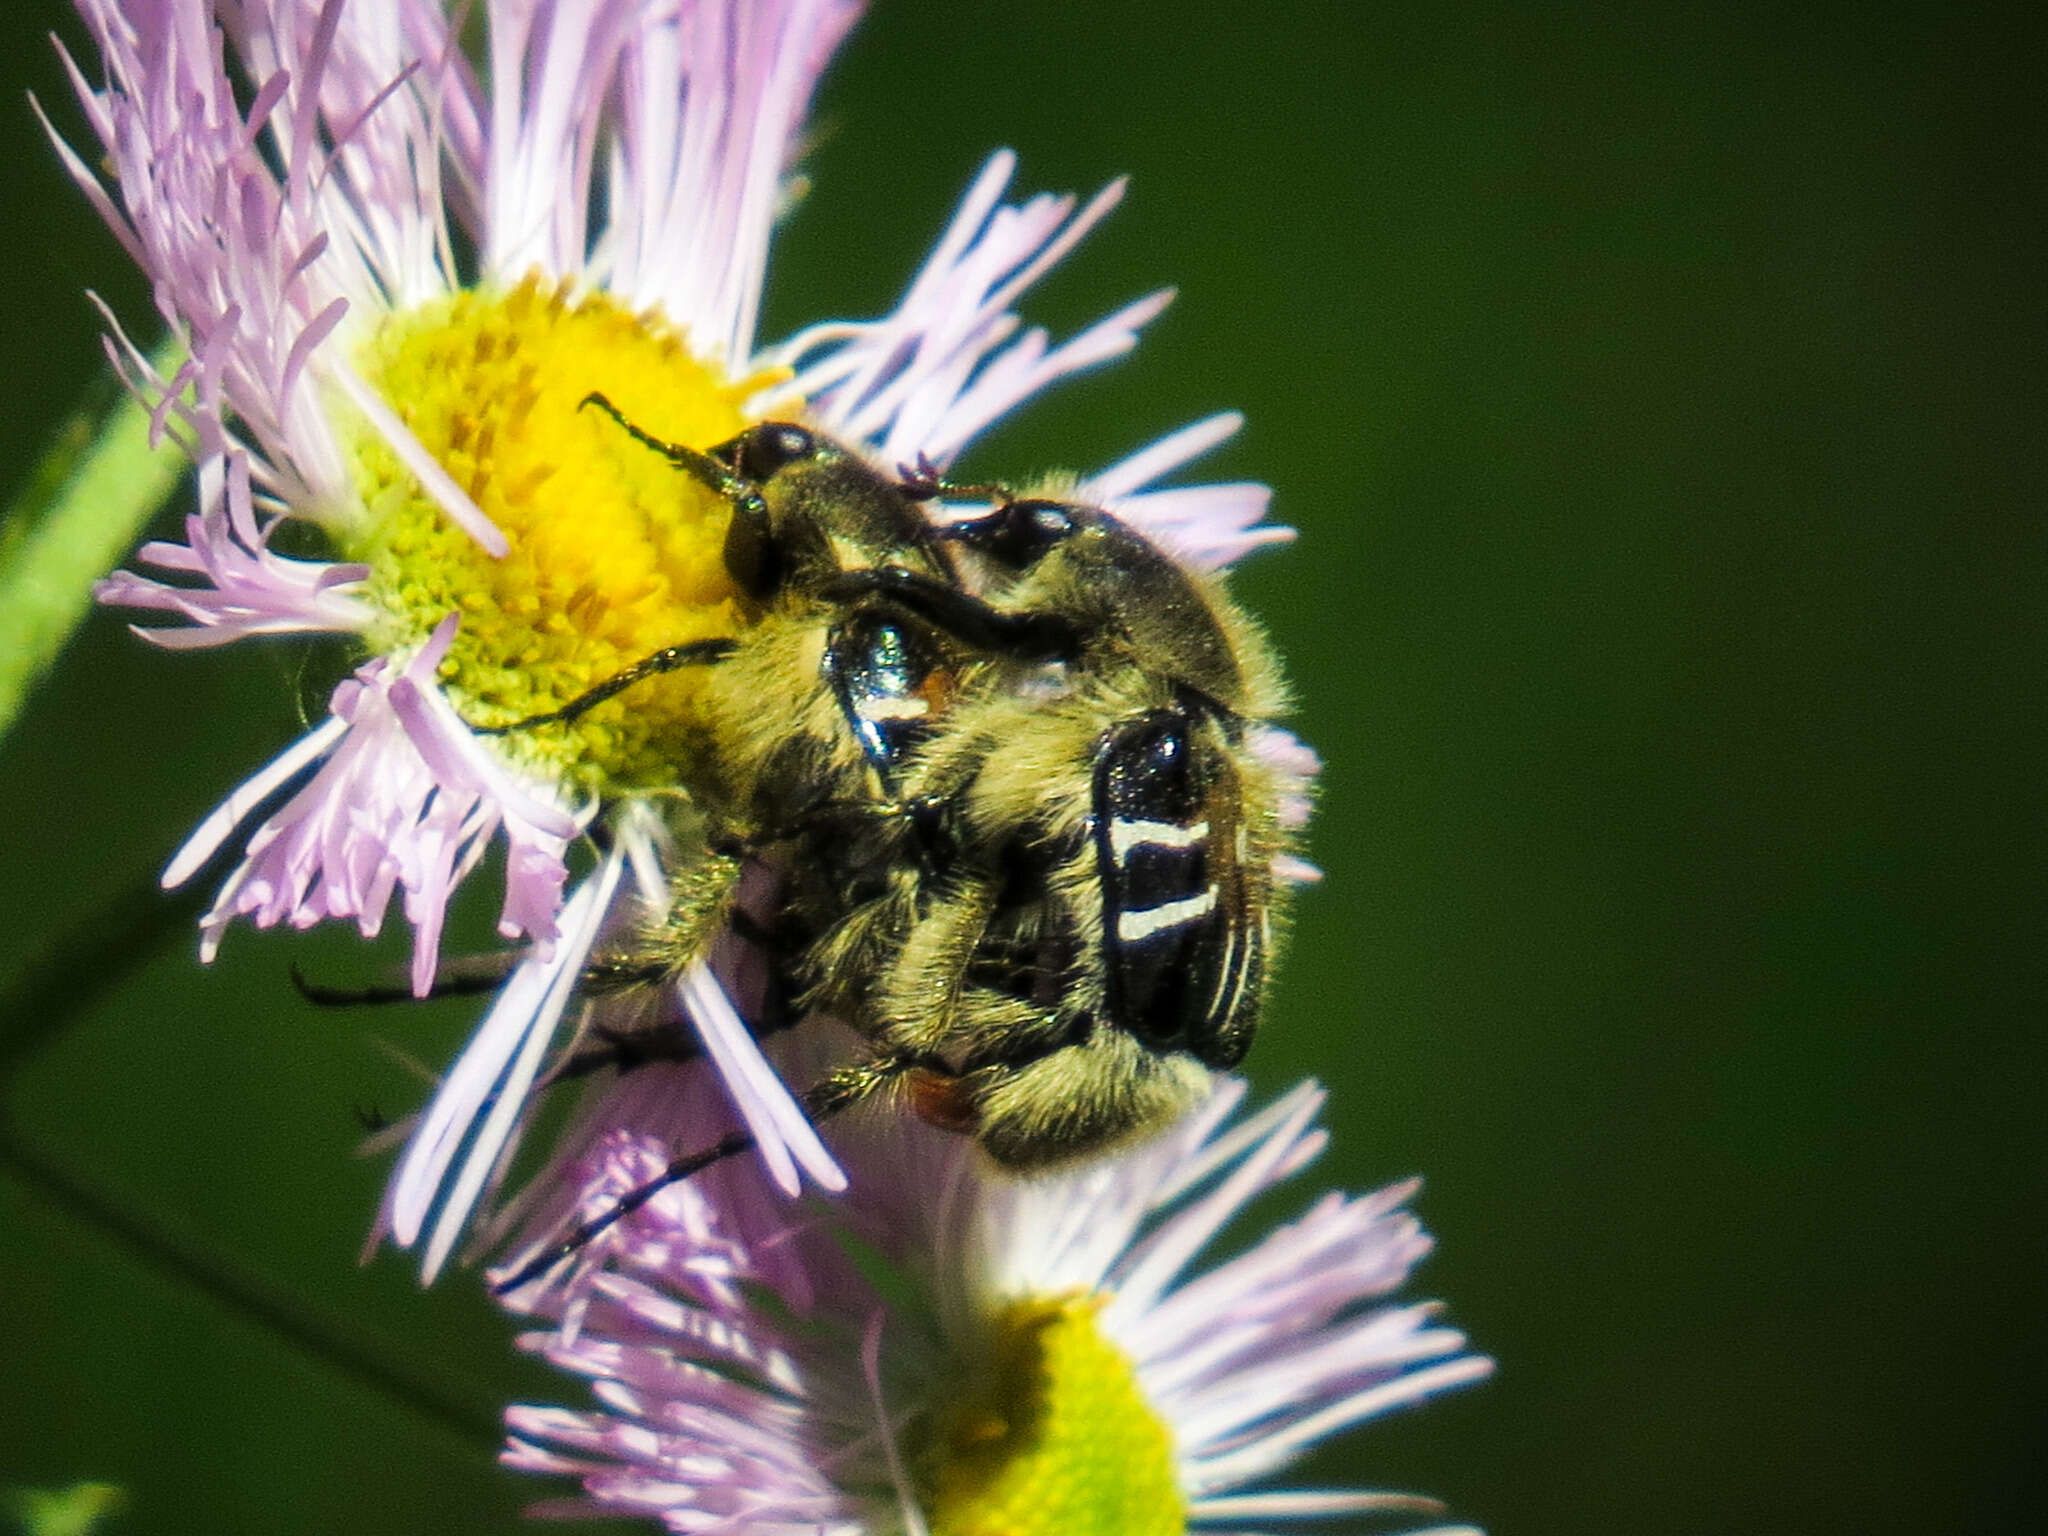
{"x": 1053, "y": 1437}
{"x": 615, "y": 553}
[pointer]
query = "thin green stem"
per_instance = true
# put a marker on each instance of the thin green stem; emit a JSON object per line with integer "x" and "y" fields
{"x": 88, "y": 499}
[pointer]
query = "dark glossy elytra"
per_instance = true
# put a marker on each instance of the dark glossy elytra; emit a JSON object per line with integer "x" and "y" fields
{"x": 882, "y": 671}
{"x": 1176, "y": 950}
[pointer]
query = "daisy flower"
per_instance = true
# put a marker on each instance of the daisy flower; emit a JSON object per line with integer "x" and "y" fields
{"x": 951, "y": 1352}
{"x": 396, "y": 273}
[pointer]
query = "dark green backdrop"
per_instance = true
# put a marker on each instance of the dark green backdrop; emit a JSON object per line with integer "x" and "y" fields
{"x": 1658, "y": 392}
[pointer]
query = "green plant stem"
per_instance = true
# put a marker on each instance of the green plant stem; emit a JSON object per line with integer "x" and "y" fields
{"x": 87, "y": 500}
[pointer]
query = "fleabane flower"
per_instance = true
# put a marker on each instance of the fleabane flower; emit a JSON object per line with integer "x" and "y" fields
{"x": 397, "y": 274}
{"x": 950, "y": 1351}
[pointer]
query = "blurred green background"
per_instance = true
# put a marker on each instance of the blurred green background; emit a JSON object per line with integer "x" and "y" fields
{"x": 1658, "y": 392}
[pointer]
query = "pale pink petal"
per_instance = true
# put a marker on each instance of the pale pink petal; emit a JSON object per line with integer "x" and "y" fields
{"x": 404, "y": 798}
{"x": 708, "y": 1398}
{"x": 247, "y": 590}
{"x": 473, "y": 787}
{"x": 1295, "y": 764}
{"x": 436, "y": 481}
{"x": 669, "y": 1109}
{"x": 249, "y": 264}
{"x": 551, "y": 66}
{"x": 710, "y": 1403}
{"x": 367, "y": 142}
{"x": 926, "y": 380}
{"x": 932, "y": 375}
{"x": 712, "y": 96}
{"x": 1158, "y": 460}
{"x": 509, "y": 1072}
{"x": 1153, "y": 1263}
{"x": 515, "y": 1016}
{"x": 1295, "y": 871}
{"x": 1209, "y": 526}
{"x": 1274, "y": 1448}
{"x": 220, "y": 823}
{"x": 1299, "y": 1504}
{"x": 783, "y": 1135}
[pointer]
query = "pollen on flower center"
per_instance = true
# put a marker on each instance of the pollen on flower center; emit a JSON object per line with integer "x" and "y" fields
{"x": 615, "y": 553}
{"x": 1054, "y": 1437}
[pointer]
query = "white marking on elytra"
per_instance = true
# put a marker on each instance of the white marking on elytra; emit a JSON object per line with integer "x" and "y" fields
{"x": 883, "y": 708}
{"x": 1128, "y": 832}
{"x": 1135, "y": 927}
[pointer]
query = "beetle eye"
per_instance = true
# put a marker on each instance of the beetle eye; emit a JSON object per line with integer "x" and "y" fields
{"x": 771, "y": 447}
